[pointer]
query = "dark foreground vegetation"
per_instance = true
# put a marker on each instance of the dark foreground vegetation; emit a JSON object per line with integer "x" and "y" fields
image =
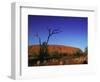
{"x": 56, "y": 58}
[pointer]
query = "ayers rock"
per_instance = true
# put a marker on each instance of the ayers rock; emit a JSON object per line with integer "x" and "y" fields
{"x": 54, "y": 48}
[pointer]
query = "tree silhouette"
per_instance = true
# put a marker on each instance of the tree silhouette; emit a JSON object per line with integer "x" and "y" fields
{"x": 44, "y": 45}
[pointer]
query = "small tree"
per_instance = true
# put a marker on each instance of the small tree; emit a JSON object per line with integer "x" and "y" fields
{"x": 86, "y": 50}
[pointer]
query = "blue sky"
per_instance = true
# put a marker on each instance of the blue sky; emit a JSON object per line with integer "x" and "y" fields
{"x": 74, "y": 30}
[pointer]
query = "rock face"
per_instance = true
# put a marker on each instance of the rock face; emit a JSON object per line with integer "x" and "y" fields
{"x": 54, "y": 48}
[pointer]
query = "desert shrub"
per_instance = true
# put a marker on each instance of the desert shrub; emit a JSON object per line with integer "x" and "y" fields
{"x": 78, "y": 53}
{"x": 33, "y": 56}
{"x": 56, "y": 55}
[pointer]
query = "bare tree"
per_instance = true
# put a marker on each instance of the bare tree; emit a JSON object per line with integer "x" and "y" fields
{"x": 44, "y": 45}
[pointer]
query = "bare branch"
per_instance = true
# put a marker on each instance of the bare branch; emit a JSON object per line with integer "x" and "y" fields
{"x": 56, "y": 31}
{"x": 49, "y": 30}
{"x": 52, "y": 32}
